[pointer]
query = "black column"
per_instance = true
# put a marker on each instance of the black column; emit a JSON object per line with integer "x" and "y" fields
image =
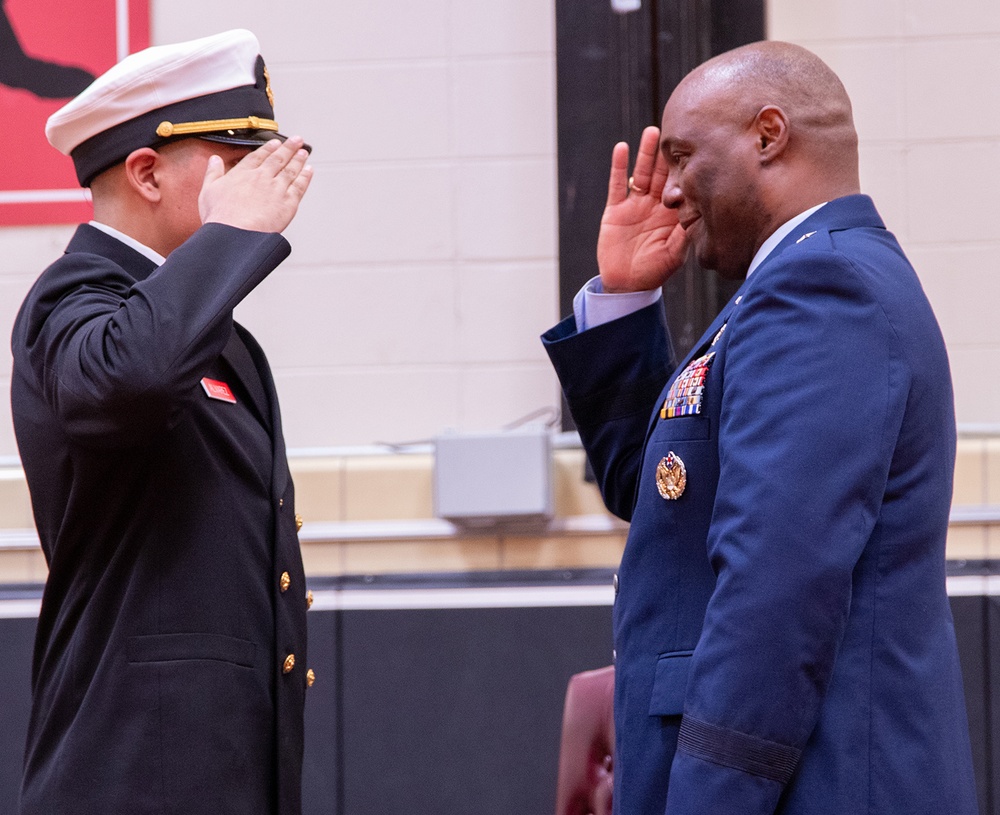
{"x": 614, "y": 73}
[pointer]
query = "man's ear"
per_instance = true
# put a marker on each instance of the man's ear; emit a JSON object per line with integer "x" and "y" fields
{"x": 771, "y": 126}
{"x": 141, "y": 168}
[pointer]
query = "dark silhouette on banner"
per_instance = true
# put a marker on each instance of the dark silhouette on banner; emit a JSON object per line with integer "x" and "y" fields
{"x": 48, "y": 80}
{"x": 50, "y": 51}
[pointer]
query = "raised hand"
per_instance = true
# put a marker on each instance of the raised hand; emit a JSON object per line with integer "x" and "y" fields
{"x": 262, "y": 192}
{"x": 640, "y": 243}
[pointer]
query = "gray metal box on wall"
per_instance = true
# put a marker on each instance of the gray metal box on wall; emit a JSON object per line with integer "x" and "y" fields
{"x": 485, "y": 478}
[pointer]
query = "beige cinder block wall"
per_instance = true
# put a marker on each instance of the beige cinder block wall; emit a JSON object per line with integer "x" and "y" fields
{"x": 922, "y": 76}
{"x": 424, "y": 261}
{"x": 424, "y": 258}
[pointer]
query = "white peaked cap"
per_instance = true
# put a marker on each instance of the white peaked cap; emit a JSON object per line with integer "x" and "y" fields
{"x": 215, "y": 87}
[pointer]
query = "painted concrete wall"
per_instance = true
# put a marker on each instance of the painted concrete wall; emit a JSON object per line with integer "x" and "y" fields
{"x": 424, "y": 258}
{"x": 921, "y": 74}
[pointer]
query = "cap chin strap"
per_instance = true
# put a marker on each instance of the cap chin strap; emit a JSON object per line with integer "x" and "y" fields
{"x": 167, "y": 129}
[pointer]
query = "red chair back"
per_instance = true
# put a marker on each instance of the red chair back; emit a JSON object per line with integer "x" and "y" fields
{"x": 586, "y": 750}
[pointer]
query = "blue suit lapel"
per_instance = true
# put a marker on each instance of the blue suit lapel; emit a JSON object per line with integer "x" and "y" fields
{"x": 849, "y": 212}
{"x": 842, "y": 213}
{"x": 697, "y": 350}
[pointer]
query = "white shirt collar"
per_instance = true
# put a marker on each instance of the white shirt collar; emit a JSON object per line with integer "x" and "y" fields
{"x": 141, "y": 248}
{"x": 778, "y": 236}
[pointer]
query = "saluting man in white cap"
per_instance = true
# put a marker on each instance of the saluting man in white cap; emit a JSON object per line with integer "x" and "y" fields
{"x": 170, "y": 665}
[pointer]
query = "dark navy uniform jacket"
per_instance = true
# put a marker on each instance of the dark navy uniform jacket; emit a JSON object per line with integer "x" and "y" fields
{"x": 161, "y": 678}
{"x": 783, "y": 635}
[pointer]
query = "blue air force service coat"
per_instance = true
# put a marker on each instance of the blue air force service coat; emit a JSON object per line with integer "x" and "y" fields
{"x": 783, "y": 635}
{"x": 169, "y": 671}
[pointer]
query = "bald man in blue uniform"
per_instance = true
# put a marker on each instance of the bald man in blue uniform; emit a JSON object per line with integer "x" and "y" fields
{"x": 783, "y": 635}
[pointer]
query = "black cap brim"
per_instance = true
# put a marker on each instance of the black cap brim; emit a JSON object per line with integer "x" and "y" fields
{"x": 247, "y": 138}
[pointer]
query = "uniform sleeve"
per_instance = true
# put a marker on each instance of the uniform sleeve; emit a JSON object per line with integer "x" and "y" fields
{"x": 116, "y": 358}
{"x": 812, "y": 404}
{"x": 611, "y": 376}
{"x": 592, "y": 306}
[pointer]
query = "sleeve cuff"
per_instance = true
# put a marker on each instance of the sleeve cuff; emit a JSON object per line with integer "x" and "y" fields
{"x": 740, "y": 751}
{"x": 592, "y": 306}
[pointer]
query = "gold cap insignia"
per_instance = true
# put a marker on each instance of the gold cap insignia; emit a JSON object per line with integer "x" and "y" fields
{"x": 167, "y": 129}
{"x": 671, "y": 477}
{"x": 267, "y": 88}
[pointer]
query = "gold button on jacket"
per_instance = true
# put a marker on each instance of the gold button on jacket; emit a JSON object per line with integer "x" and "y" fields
{"x": 310, "y": 678}
{"x": 289, "y": 663}
{"x": 239, "y": 513}
{"x": 309, "y": 599}
{"x": 285, "y": 581}
{"x": 298, "y": 522}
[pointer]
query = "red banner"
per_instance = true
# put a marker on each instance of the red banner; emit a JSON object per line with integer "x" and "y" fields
{"x": 50, "y": 50}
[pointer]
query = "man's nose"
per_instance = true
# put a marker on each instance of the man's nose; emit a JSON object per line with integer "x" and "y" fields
{"x": 672, "y": 196}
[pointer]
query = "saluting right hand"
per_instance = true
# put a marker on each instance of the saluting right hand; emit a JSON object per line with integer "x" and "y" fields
{"x": 640, "y": 244}
{"x": 262, "y": 192}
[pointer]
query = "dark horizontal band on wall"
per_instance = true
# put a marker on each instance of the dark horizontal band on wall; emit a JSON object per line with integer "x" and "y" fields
{"x": 500, "y": 589}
